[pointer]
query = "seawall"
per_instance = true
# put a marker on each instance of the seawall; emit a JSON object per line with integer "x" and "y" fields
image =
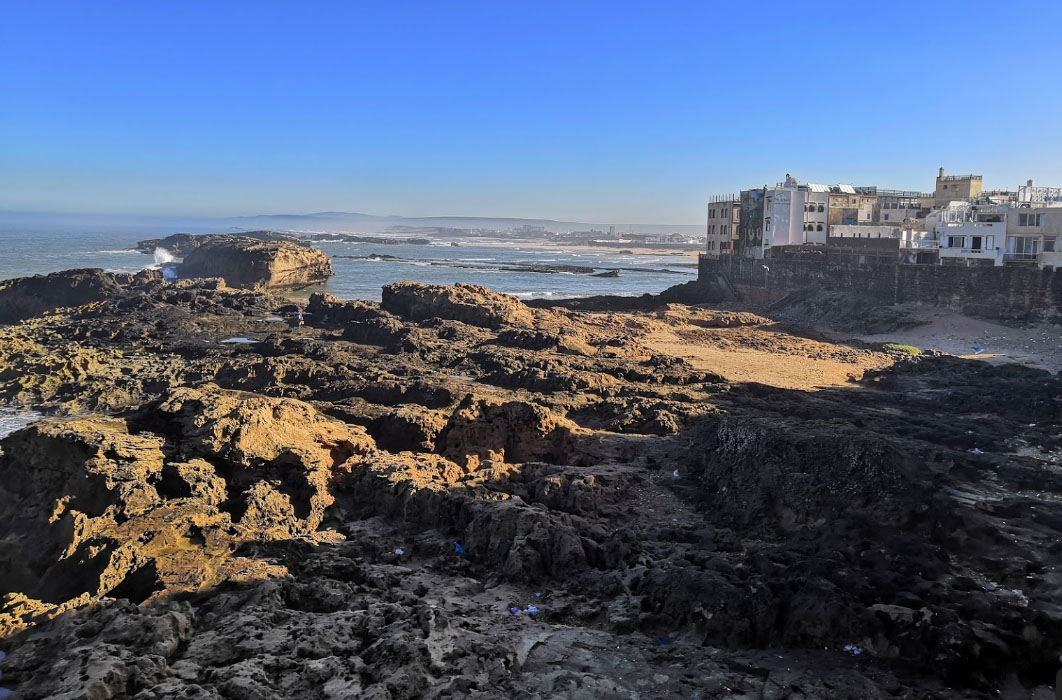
{"x": 1008, "y": 292}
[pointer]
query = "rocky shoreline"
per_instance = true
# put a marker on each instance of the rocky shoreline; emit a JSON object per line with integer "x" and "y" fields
{"x": 452, "y": 494}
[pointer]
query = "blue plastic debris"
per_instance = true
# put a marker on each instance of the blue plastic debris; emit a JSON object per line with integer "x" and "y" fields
{"x": 400, "y": 552}
{"x": 458, "y": 548}
{"x": 514, "y": 611}
{"x": 976, "y": 451}
{"x": 659, "y": 642}
{"x": 853, "y": 649}
{"x": 532, "y": 609}
{"x": 978, "y": 348}
{"x": 538, "y": 595}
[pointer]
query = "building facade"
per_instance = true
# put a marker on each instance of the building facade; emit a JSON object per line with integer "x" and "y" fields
{"x": 849, "y": 206}
{"x": 895, "y": 206}
{"x": 724, "y": 219}
{"x": 952, "y": 188}
{"x": 1032, "y": 235}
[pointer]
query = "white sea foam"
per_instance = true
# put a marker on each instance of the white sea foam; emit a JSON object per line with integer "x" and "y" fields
{"x": 12, "y": 419}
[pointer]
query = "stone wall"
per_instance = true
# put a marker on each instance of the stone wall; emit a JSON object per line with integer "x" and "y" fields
{"x": 1009, "y": 292}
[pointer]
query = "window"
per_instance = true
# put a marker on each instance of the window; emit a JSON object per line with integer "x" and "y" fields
{"x": 886, "y": 217}
{"x": 819, "y": 227}
{"x": 955, "y": 241}
{"x": 821, "y": 208}
{"x": 1030, "y": 220}
{"x": 975, "y": 243}
{"x": 990, "y": 242}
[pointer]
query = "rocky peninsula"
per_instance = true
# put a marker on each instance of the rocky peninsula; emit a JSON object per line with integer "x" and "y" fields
{"x": 452, "y": 494}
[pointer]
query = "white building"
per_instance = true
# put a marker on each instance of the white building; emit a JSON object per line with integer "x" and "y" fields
{"x": 795, "y": 214}
{"x": 969, "y": 234}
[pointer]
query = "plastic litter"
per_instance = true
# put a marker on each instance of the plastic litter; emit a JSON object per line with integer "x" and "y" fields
{"x": 400, "y": 552}
{"x": 514, "y": 611}
{"x": 532, "y": 609}
{"x": 978, "y": 348}
{"x": 458, "y": 548}
{"x": 853, "y": 649}
{"x": 675, "y": 474}
{"x": 976, "y": 451}
{"x": 659, "y": 641}
{"x": 538, "y": 595}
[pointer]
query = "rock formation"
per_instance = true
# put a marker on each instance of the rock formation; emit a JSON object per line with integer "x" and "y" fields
{"x": 247, "y": 263}
{"x": 32, "y": 296}
{"x": 468, "y": 303}
{"x": 454, "y": 495}
{"x": 181, "y": 244}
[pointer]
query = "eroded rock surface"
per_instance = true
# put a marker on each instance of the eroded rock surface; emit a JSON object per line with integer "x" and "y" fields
{"x": 249, "y": 263}
{"x": 353, "y": 509}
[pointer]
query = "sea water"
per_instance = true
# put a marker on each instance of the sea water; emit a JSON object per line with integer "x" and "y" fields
{"x": 12, "y": 419}
{"x": 475, "y": 261}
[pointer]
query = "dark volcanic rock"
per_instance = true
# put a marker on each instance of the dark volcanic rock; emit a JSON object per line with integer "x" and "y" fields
{"x": 244, "y": 262}
{"x": 31, "y": 296}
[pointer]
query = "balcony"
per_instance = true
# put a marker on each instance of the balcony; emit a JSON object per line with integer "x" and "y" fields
{"x": 920, "y": 245}
{"x": 1019, "y": 257}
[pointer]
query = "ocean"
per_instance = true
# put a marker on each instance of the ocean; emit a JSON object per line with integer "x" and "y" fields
{"x": 361, "y": 268}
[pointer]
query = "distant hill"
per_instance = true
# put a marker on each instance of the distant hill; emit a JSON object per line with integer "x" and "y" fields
{"x": 323, "y": 222}
{"x": 358, "y": 222}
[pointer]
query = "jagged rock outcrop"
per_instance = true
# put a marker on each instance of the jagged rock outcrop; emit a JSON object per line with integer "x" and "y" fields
{"x": 468, "y": 303}
{"x": 245, "y": 262}
{"x": 160, "y": 500}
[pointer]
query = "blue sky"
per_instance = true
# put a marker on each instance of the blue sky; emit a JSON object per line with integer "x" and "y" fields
{"x": 592, "y": 111}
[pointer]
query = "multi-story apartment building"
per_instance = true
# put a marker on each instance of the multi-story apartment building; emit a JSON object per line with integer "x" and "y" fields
{"x": 724, "y": 219}
{"x": 952, "y": 188}
{"x": 1033, "y": 231}
{"x": 969, "y": 234}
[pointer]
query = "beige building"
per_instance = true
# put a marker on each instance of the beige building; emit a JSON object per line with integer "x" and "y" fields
{"x": 897, "y": 206}
{"x": 952, "y": 188}
{"x": 849, "y": 206}
{"x": 724, "y": 215}
{"x": 1033, "y": 235}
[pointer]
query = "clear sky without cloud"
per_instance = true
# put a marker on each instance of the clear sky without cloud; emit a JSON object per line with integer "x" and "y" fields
{"x": 604, "y": 112}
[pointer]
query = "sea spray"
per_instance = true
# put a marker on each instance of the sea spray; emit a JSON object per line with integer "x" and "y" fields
{"x": 164, "y": 261}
